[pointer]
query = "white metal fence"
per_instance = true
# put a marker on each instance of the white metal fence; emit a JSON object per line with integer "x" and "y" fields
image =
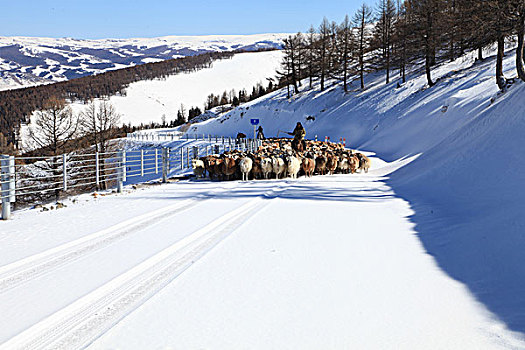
{"x": 32, "y": 180}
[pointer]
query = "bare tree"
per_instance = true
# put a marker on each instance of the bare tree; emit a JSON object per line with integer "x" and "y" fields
{"x": 99, "y": 122}
{"x": 55, "y": 127}
{"x": 384, "y": 31}
{"x": 345, "y": 47}
{"x": 322, "y": 56}
{"x": 362, "y": 18}
{"x": 310, "y": 56}
{"x": 520, "y": 29}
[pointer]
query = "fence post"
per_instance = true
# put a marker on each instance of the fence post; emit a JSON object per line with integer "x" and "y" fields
{"x": 141, "y": 162}
{"x": 168, "y": 152}
{"x": 187, "y": 157}
{"x": 156, "y": 161}
{"x": 181, "y": 158}
{"x": 7, "y": 178}
{"x": 120, "y": 172}
{"x": 97, "y": 172}
{"x": 124, "y": 167}
{"x": 164, "y": 165}
{"x": 64, "y": 172}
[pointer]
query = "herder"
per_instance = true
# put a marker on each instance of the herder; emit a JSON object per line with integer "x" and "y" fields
{"x": 260, "y": 133}
{"x": 298, "y": 143}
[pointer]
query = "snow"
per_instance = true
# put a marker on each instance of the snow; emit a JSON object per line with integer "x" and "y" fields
{"x": 425, "y": 251}
{"x": 52, "y": 55}
{"x": 148, "y": 101}
{"x": 269, "y": 273}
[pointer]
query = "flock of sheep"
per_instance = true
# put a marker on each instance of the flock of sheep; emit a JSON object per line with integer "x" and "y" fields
{"x": 276, "y": 159}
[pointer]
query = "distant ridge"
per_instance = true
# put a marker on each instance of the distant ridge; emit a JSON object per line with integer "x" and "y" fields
{"x": 30, "y": 61}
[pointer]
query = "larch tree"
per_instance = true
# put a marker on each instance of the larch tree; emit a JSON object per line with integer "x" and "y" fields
{"x": 55, "y": 127}
{"x": 362, "y": 18}
{"x": 345, "y": 47}
{"x": 322, "y": 54}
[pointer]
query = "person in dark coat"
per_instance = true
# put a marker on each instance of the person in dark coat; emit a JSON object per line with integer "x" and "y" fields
{"x": 260, "y": 133}
{"x": 298, "y": 133}
{"x": 298, "y": 143}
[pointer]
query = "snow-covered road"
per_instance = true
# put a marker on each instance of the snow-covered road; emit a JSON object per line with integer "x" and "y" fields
{"x": 327, "y": 262}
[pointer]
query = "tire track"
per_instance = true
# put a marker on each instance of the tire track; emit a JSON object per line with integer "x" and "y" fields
{"x": 19, "y": 272}
{"x": 79, "y": 324}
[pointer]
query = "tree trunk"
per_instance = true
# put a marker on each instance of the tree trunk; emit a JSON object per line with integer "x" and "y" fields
{"x": 500, "y": 79}
{"x": 519, "y": 51}
{"x": 361, "y": 51}
{"x": 428, "y": 60}
{"x": 480, "y": 53}
{"x": 345, "y": 69}
{"x": 388, "y": 65}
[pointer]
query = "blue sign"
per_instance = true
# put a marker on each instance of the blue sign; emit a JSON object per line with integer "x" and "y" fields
{"x": 254, "y": 121}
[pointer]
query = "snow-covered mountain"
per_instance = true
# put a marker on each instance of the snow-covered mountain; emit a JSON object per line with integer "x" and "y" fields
{"x": 27, "y": 61}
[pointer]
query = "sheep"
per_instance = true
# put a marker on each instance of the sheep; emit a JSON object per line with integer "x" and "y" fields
{"x": 278, "y": 156}
{"x": 308, "y": 166}
{"x": 331, "y": 163}
{"x": 228, "y": 167}
{"x": 344, "y": 166}
{"x": 245, "y": 166}
{"x": 320, "y": 164}
{"x": 256, "y": 168}
{"x": 354, "y": 163}
{"x": 293, "y": 166}
{"x": 364, "y": 162}
{"x": 217, "y": 168}
{"x": 209, "y": 164}
{"x": 198, "y": 167}
{"x": 266, "y": 167}
{"x": 279, "y": 167}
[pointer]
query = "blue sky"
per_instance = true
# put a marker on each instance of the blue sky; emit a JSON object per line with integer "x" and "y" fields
{"x": 125, "y": 19}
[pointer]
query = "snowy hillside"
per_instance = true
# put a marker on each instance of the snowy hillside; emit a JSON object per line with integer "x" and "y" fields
{"x": 467, "y": 185}
{"x": 148, "y": 101}
{"x": 26, "y": 61}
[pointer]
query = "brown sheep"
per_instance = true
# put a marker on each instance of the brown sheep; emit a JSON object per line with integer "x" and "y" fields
{"x": 308, "y": 166}
{"x": 331, "y": 163}
{"x": 354, "y": 163}
{"x": 228, "y": 167}
{"x": 320, "y": 165}
{"x": 217, "y": 168}
{"x": 256, "y": 167}
{"x": 364, "y": 162}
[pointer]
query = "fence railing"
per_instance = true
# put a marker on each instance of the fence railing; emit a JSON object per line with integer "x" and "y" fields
{"x": 31, "y": 180}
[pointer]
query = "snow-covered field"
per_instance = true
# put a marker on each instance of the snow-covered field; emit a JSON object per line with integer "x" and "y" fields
{"x": 261, "y": 264}
{"x": 148, "y": 101}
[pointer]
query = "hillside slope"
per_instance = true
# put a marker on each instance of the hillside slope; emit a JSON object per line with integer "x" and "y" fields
{"x": 466, "y": 184}
{"x": 149, "y": 100}
{"x": 26, "y": 61}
